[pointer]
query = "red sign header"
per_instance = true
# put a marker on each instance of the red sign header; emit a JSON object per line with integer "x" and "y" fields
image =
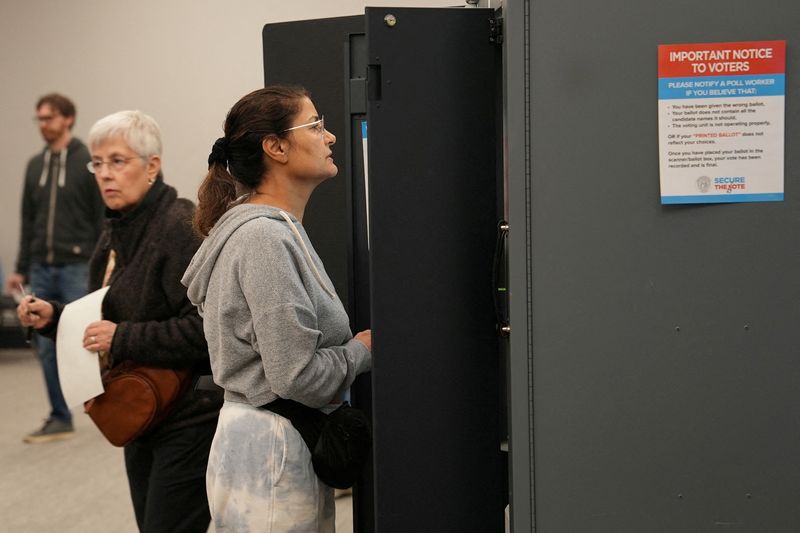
{"x": 721, "y": 59}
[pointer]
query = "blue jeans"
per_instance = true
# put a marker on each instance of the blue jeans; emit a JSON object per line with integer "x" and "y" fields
{"x": 62, "y": 283}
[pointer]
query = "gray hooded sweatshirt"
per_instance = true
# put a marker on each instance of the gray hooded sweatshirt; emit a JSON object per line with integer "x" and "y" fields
{"x": 274, "y": 325}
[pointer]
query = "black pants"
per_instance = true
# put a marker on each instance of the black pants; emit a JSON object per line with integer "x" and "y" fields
{"x": 167, "y": 479}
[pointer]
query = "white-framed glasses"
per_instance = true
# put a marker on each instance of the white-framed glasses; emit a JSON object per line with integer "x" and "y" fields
{"x": 317, "y": 125}
{"x": 115, "y": 163}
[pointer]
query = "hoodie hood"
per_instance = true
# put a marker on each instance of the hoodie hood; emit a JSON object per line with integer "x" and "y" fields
{"x": 198, "y": 274}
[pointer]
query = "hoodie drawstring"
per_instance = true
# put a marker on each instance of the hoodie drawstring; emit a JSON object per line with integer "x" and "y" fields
{"x": 45, "y": 169}
{"x": 308, "y": 255}
{"x": 62, "y": 168}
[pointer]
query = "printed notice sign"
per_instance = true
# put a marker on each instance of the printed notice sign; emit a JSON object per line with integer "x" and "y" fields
{"x": 721, "y": 122}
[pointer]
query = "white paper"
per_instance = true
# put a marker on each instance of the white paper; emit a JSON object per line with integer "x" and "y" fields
{"x": 78, "y": 368}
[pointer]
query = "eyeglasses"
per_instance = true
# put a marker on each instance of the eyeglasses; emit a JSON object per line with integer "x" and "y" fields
{"x": 45, "y": 118}
{"x": 317, "y": 125}
{"x": 117, "y": 163}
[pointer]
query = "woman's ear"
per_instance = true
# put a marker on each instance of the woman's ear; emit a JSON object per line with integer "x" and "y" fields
{"x": 275, "y": 148}
{"x": 153, "y": 167}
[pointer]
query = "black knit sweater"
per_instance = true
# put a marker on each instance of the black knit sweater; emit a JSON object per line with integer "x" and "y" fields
{"x": 156, "y": 323}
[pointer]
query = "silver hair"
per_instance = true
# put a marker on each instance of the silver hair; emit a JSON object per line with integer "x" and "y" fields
{"x": 139, "y": 130}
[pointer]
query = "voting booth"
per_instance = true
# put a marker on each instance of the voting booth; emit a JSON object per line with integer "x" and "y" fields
{"x": 626, "y": 175}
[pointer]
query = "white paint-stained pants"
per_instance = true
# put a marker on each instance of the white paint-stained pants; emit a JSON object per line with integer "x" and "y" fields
{"x": 260, "y": 477}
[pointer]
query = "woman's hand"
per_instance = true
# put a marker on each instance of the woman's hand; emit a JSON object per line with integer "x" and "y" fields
{"x": 98, "y": 336}
{"x": 35, "y": 313}
{"x": 365, "y": 337}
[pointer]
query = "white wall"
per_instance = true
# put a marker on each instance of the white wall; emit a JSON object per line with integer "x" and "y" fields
{"x": 185, "y": 62}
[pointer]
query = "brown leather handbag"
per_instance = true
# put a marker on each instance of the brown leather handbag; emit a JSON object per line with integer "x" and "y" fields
{"x": 135, "y": 400}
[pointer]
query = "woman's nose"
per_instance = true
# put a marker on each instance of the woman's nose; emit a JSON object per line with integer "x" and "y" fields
{"x": 331, "y": 138}
{"x": 103, "y": 172}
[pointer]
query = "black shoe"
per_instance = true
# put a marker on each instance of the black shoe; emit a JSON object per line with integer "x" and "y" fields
{"x": 51, "y": 430}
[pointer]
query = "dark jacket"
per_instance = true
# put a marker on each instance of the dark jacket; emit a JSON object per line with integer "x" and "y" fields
{"x": 156, "y": 323}
{"x": 66, "y": 229}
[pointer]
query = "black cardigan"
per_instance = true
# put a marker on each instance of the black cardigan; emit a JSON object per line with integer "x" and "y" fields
{"x": 156, "y": 323}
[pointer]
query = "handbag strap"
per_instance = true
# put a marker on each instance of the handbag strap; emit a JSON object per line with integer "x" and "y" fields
{"x": 110, "y": 264}
{"x": 104, "y": 358}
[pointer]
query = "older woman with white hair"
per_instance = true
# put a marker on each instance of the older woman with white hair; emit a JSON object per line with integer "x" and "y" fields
{"x": 145, "y": 247}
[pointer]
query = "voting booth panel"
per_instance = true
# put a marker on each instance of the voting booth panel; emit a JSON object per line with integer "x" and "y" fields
{"x": 654, "y": 345}
{"x": 413, "y": 97}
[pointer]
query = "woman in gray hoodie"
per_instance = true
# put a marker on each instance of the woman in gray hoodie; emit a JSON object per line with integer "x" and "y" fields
{"x": 274, "y": 325}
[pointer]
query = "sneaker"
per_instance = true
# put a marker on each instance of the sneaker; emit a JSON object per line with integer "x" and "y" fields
{"x": 51, "y": 430}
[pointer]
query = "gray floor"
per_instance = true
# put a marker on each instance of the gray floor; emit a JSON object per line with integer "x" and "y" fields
{"x": 76, "y": 485}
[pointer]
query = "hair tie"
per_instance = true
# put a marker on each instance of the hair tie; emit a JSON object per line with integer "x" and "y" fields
{"x": 219, "y": 152}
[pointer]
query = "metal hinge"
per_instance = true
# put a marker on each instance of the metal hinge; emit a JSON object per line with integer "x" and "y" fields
{"x": 496, "y": 31}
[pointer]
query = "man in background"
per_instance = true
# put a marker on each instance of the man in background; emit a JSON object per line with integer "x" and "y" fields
{"x": 62, "y": 214}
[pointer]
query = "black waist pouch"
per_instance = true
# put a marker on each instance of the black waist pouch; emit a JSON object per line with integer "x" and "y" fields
{"x": 339, "y": 442}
